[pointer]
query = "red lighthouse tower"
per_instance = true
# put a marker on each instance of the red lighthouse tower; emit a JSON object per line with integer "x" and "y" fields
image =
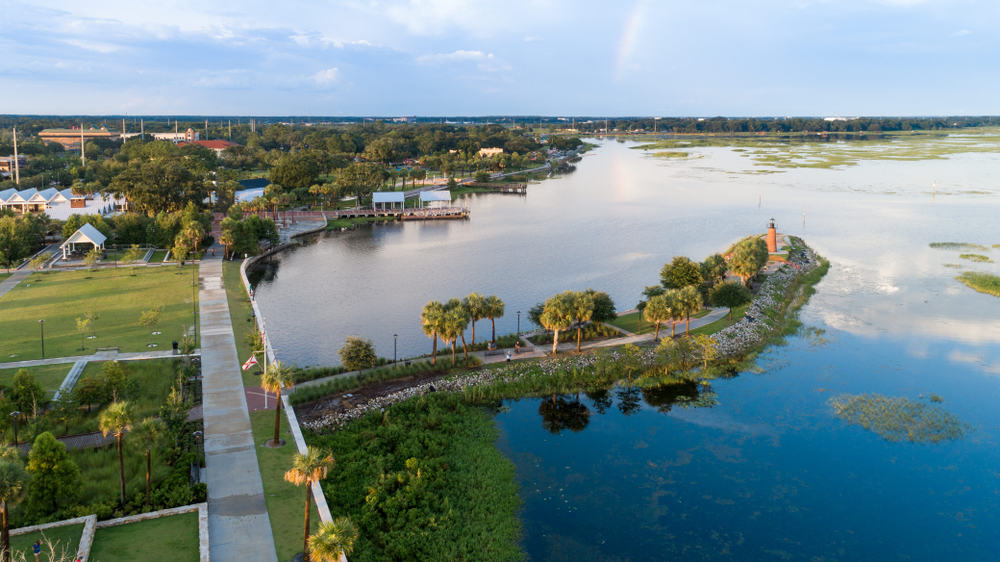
{"x": 772, "y": 238}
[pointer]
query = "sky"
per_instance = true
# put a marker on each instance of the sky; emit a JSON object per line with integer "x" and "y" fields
{"x": 511, "y": 57}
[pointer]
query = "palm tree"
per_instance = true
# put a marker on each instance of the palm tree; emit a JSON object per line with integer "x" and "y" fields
{"x": 581, "y": 309}
{"x": 458, "y": 314}
{"x": 432, "y": 318}
{"x": 657, "y": 311}
{"x": 333, "y": 540}
{"x": 13, "y": 479}
{"x": 556, "y": 316}
{"x": 476, "y": 305}
{"x": 307, "y": 469}
{"x": 227, "y": 240}
{"x": 676, "y": 310}
{"x": 690, "y": 302}
{"x": 148, "y": 434}
{"x": 494, "y": 310}
{"x": 278, "y": 377}
{"x": 117, "y": 419}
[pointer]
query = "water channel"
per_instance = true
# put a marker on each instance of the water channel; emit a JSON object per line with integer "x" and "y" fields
{"x": 768, "y": 471}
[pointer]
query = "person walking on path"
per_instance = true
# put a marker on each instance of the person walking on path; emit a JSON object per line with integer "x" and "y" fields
{"x": 36, "y": 548}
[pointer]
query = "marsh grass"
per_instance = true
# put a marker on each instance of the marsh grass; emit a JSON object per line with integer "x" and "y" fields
{"x": 982, "y": 282}
{"x": 899, "y": 419}
{"x": 958, "y": 246}
{"x": 976, "y": 258}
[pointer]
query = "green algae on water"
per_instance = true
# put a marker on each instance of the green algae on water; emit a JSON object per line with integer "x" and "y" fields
{"x": 899, "y": 419}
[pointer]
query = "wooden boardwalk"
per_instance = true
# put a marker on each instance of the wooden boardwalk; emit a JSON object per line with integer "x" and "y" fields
{"x": 518, "y": 188}
{"x": 425, "y": 213}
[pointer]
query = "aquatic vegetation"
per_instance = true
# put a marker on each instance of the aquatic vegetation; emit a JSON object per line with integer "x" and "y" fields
{"x": 899, "y": 419}
{"x": 671, "y": 154}
{"x": 976, "y": 258}
{"x": 954, "y": 265}
{"x": 982, "y": 282}
{"x": 957, "y": 246}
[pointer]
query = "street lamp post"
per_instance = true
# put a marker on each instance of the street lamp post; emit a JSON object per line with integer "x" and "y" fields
{"x": 14, "y": 416}
{"x": 518, "y": 323}
{"x": 395, "y": 338}
{"x": 41, "y": 328}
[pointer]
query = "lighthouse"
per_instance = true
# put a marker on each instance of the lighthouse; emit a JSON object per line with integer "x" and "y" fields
{"x": 772, "y": 238}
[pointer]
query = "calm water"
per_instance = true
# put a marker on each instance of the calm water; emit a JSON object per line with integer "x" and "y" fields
{"x": 768, "y": 472}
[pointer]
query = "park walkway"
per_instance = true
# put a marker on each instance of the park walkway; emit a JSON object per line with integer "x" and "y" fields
{"x": 237, "y": 514}
{"x": 12, "y": 281}
{"x": 110, "y": 355}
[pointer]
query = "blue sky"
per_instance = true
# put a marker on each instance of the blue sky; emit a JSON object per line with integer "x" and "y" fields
{"x": 453, "y": 57}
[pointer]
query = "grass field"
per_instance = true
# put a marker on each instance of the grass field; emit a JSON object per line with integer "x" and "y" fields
{"x": 167, "y": 539}
{"x": 63, "y": 539}
{"x": 119, "y": 299}
{"x": 158, "y": 256}
{"x": 285, "y": 502}
{"x": 635, "y": 323}
{"x": 49, "y": 376}
{"x": 241, "y": 317}
{"x": 4, "y": 276}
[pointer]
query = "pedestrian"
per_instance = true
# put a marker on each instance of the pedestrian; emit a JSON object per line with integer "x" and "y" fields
{"x": 517, "y": 347}
{"x": 36, "y": 548}
{"x": 508, "y": 357}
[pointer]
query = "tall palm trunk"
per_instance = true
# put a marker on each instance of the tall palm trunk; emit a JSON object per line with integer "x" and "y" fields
{"x": 277, "y": 416}
{"x": 434, "y": 350}
{"x": 673, "y": 329}
{"x": 305, "y": 539}
{"x": 465, "y": 348}
{"x": 148, "y": 466}
{"x": 452, "y": 353}
{"x": 555, "y": 342}
{"x": 688, "y": 328}
{"x": 493, "y": 325}
{"x": 656, "y": 336}
{"x": 473, "y": 333}
{"x": 121, "y": 467}
{"x": 579, "y": 335}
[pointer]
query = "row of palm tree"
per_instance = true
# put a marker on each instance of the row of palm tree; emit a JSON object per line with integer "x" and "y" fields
{"x": 118, "y": 419}
{"x": 449, "y": 321}
{"x": 564, "y": 310}
{"x": 673, "y": 306}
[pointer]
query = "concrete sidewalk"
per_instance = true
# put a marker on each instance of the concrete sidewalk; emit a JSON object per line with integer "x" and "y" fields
{"x": 99, "y": 356}
{"x": 237, "y": 514}
{"x": 12, "y": 281}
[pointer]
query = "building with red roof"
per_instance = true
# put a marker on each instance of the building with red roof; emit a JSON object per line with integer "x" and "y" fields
{"x": 217, "y": 145}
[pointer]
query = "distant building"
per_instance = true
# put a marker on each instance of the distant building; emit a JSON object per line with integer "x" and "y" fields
{"x": 189, "y": 135}
{"x": 7, "y": 164}
{"x": 487, "y": 152}
{"x": 56, "y": 203}
{"x": 217, "y": 145}
{"x": 70, "y": 138}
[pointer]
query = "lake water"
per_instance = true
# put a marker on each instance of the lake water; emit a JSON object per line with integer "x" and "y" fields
{"x": 768, "y": 472}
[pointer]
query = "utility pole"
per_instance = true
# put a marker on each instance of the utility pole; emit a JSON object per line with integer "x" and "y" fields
{"x": 230, "y": 129}
{"x": 17, "y": 165}
{"x": 83, "y": 152}
{"x": 142, "y": 129}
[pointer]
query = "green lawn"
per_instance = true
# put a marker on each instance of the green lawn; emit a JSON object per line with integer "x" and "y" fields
{"x": 285, "y": 502}
{"x": 49, "y": 376}
{"x": 4, "y": 276}
{"x": 119, "y": 299}
{"x": 158, "y": 256}
{"x": 635, "y": 323}
{"x": 64, "y": 539}
{"x": 719, "y": 324}
{"x": 153, "y": 379}
{"x": 167, "y": 539}
{"x": 240, "y": 315}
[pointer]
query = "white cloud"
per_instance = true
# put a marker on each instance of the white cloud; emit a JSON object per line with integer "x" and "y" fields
{"x": 95, "y": 46}
{"x": 460, "y": 55}
{"x": 326, "y": 77}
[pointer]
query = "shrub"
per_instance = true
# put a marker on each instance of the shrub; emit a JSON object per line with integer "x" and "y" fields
{"x": 357, "y": 353}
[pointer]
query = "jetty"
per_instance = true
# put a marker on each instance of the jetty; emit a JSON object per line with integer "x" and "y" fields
{"x": 413, "y": 213}
{"x": 517, "y": 188}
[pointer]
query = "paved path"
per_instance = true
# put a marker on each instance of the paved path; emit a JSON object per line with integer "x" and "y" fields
{"x": 99, "y": 356}
{"x": 237, "y": 515}
{"x": 15, "y": 278}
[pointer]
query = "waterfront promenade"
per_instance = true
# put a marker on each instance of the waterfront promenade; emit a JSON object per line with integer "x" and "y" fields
{"x": 237, "y": 514}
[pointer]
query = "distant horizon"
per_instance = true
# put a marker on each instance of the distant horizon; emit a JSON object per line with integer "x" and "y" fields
{"x": 498, "y": 116}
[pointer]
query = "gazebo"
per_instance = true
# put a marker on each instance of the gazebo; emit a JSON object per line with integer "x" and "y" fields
{"x": 86, "y": 234}
{"x": 390, "y": 197}
{"x": 442, "y": 196}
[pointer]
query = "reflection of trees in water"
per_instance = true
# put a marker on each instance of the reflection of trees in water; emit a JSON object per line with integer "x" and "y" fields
{"x": 265, "y": 270}
{"x": 600, "y": 400}
{"x": 664, "y": 397}
{"x": 559, "y": 413}
{"x": 628, "y": 400}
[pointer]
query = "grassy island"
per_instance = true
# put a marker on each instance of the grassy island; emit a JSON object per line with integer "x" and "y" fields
{"x": 982, "y": 282}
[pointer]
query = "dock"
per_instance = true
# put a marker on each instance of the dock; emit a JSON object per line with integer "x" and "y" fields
{"x": 416, "y": 213}
{"x": 517, "y": 188}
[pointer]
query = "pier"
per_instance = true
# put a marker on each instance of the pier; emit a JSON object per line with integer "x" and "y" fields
{"x": 414, "y": 213}
{"x": 518, "y": 188}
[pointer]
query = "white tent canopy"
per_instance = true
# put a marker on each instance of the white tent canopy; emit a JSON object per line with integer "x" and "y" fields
{"x": 391, "y": 197}
{"x": 435, "y": 196}
{"x": 86, "y": 234}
